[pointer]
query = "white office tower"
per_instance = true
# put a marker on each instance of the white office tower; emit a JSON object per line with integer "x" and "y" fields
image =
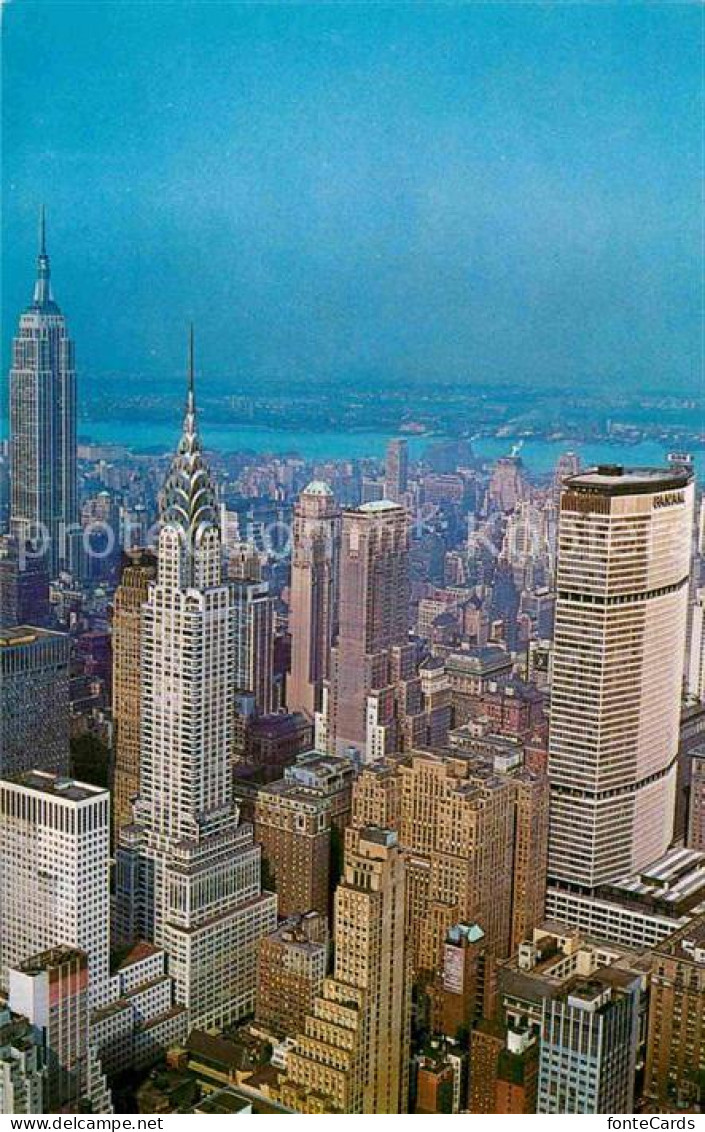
{"x": 54, "y": 873}
{"x": 622, "y": 591}
{"x": 187, "y": 870}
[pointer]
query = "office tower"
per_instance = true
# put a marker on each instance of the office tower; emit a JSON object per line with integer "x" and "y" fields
{"x": 51, "y": 991}
{"x": 475, "y": 830}
{"x": 504, "y": 606}
{"x": 675, "y": 1061}
{"x": 24, "y": 587}
{"x": 44, "y": 508}
{"x": 291, "y": 966}
{"x": 377, "y": 795}
{"x": 373, "y": 619}
{"x": 396, "y": 472}
{"x": 695, "y": 685}
{"x": 22, "y": 1070}
{"x": 100, "y": 522}
{"x": 622, "y": 587}
{"x": 54, "y": 873}
{"x": 253, "y": 658}
{"x": 695, "y": 838}
{"x": 314, "y": 597}
{"x": 589, "y": 1039}
{"x": 188, "y": 872}
{"x": 460, "y": 855}
{"x": 131, "y": 594}
{"x": 507, "y": 485}
{"x": 353, "y": 1054}
{"x": 531, "y": 801}
{"x": 299, "y": 821}
{"x": 34, "y": 700}
{"x": 243, "y": 559}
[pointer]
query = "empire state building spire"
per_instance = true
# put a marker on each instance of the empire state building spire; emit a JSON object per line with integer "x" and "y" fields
{"x": 43, "y": 299}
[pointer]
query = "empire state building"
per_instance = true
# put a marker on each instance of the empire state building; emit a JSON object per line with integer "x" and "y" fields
{"x": 44, "y": 508}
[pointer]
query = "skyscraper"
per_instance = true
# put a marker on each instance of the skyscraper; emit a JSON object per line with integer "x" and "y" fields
{"x": 54, "y": 873}
{"x": 24, "y": 587}
{"x": 186, "y": 864}
{"x": 291, "y": 967}
{"x": 353, "y": 1054}
{"x": 675, "y": 1060}
{"x": 254, "y": 641}
{"x": 396, "y": 472}
{"x": 589, "y": 1039}
{"x": 51, "y": 991}
{"x": 475, "y": 839}
{"x": 622, "y": 588}
{"x": 130, "y": 596}
{"x": 314, "y": 598}
{"x": 34, "y": 700}
{"x": 44, "y": 507}
{"x": 22, "y": 1068}
{"x": 374, "y": 620}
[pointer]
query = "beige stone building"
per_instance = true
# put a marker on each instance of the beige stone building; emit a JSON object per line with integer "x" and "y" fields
{"x": 313, "y": 610}
{"x": 353, "y": 1054}
{"x": 130, "y": 596}
{"x": 473, "y": 829}
{"x": 291, "y": 966}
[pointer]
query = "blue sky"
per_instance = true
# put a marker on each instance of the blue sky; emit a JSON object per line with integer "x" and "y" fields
{"x": 417, "y": 192}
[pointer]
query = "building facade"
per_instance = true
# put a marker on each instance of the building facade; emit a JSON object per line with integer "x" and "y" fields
{"x": 253, "y": 620}
{"x": 589, "y": 1037}
{"x": 396, "y": 471}
{"x": 51, "y": 991}
{"x": 291, "y": 966}
{"x": 130, "y": 596}
{"x": 188, "y": 871}
{"x": 34, "y": 700}
{"x": 675, "y": 1063}
{"x": 359, "y": 708}
{"x": 44, "y": 507}
{"x": 54, "y": 873}
{"x": 622, "y": 589}
{"x": 299, "y": 821}
{"x": 313, "y": 611}
{"x": 353, "y": 1054}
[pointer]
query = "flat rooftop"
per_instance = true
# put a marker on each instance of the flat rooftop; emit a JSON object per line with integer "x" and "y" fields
{"x": 27, "y": 635}
{"x": 674, "y": 883}
{"x": 615, "y": 479}
{"x": 378, "y": 506}
{"x": 688, "y": 943}
{"x": 57, "y": 786}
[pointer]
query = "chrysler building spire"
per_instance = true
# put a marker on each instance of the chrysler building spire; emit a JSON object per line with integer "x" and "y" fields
{"x": 189, "y": 497}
